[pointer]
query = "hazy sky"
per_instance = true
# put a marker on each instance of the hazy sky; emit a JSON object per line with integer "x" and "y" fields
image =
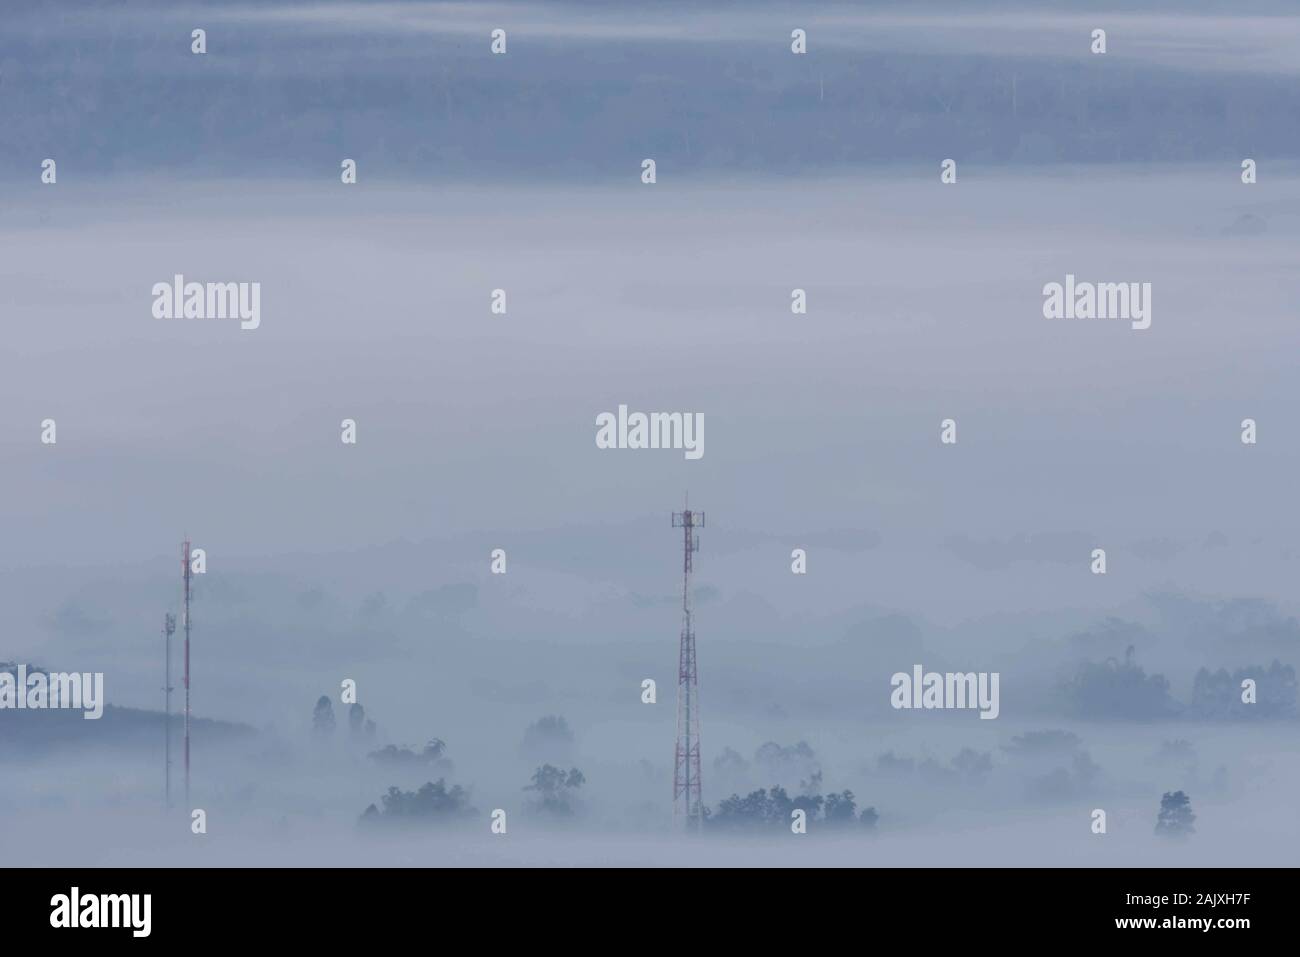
{"x": 476, "y": 431}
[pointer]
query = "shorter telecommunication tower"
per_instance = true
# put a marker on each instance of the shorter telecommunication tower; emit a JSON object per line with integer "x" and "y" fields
{"x": 186, "y": 575}
{"x": 169, "y": 629}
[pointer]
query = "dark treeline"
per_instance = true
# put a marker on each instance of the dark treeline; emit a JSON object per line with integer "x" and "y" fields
{"x": 773, "y": 808}
{"x": 1125, "y": 690}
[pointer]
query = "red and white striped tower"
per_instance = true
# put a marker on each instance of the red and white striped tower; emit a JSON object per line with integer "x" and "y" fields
{"x": 687, "y": 806}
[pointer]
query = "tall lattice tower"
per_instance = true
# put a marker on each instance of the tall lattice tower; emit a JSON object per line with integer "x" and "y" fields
{"x": 186, "y": 576}
{"x": 687, "y": 806}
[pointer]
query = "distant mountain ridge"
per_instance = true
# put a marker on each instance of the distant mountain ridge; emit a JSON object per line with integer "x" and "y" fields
{"x": 30, "y": 732}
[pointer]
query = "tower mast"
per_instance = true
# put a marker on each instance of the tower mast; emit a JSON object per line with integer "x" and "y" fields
{"x": 686, "y": 764}
{"x": 169, "y": 629}
{"x": 185, "y": 621}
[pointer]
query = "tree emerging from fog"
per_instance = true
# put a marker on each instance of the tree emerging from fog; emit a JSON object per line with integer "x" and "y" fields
{"x": 1115, "y": 689}
{"x": 1218, "y": 694}
{"x": 1175, "y": 817}
{"x": 771, "y": 809}
{"x": 322, "y": 718}
{"x": 556, "y": 790}
{"x": 433, "y": 802}
{"x": 432, "y": 755}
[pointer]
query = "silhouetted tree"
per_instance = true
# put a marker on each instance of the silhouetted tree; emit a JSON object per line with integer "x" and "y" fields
{"x": 1176, "y": 817}
{"x": 1111, "y": 689}
{"x": 431, "y": 756}
{"x": 736, "y": 812}
{"x": 556, "y": 789}
{"x": 356, "y": 719}
{"x": 434, "y": 801}
{"x": 322, "y": 719}
{"x": 840, "y": 809}
{"x": 771, "y": 808}
{"x": 1217, "y": 694}
{"x": 810, "y": 804}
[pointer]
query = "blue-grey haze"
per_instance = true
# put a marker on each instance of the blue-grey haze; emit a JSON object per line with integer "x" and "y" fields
{"x": 476, "y": 431}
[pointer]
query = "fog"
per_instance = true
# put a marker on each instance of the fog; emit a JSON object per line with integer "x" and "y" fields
{"x": 329, "y": 562}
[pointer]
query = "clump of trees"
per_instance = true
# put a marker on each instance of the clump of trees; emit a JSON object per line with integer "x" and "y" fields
{"x": 772, "y": 808}
{"x": 1175, "y": 817}
{"x": 1218, "y": 694}
{"x": 433, "y": 802}
{"x": 323, "y": 723}
{"x": 322, "y": 718}
{"x": 358, "y": 723}
{"x": 1115, "y": 689}
{"x": 432, "y": 755}
{"x": 555, "y": 791}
